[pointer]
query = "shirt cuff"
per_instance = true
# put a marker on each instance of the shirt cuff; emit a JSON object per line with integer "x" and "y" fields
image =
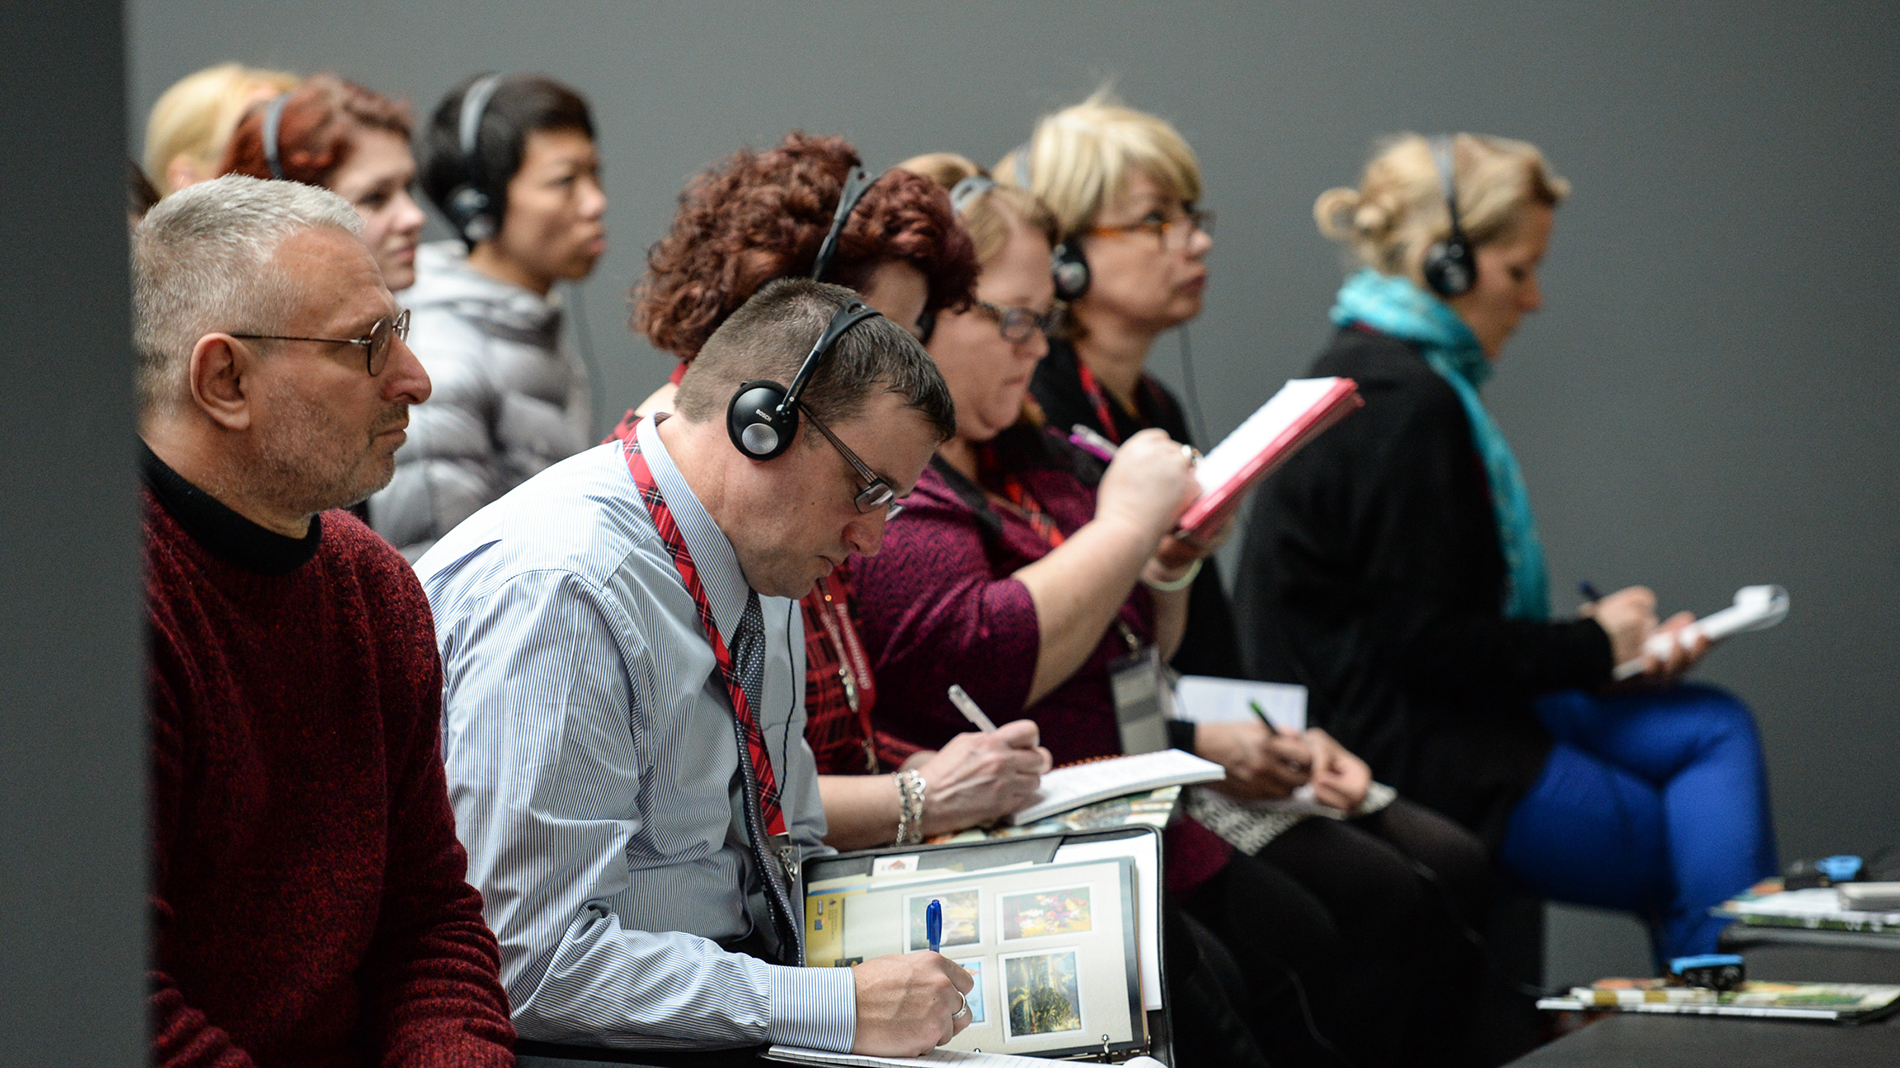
{"x": 816, "y": 1008}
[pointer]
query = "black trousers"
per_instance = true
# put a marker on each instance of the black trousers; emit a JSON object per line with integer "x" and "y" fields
{"x": 1357, "y": 939}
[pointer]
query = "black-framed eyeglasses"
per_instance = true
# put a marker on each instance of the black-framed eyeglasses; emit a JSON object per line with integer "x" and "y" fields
{"x": 1176, "y": 229}
{"x": 878, "y": 493}
{"x": 375, "y": 344}
{"x": 1016, "y": 324}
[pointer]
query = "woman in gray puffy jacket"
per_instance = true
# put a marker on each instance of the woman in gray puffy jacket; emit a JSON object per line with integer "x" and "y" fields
{"x": 511, "y": 162}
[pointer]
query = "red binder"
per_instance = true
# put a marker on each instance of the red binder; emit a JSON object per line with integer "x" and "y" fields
{"x": 1297, "y": 414}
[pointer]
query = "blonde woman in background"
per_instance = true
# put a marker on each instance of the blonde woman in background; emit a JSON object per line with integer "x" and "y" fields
{"x": 1394, "y": 568}
{"x": 191, "y": 123}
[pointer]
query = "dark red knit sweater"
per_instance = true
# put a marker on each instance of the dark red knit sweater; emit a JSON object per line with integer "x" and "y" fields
{"x": 309, "y": 902}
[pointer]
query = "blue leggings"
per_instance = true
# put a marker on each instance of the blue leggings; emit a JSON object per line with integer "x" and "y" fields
{"x": 1655, "y": 803}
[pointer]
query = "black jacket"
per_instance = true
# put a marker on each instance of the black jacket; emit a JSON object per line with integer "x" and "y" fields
{"x": 1208, "y": 646}
{"x": 1371, "y": 573}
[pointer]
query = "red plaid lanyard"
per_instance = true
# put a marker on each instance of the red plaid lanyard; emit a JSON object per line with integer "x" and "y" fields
{"x": 669, "y": 532}
{"x": 1017, "y": 495}
{"x": 1099, "y": 401}
{"x": 834, "y": 610}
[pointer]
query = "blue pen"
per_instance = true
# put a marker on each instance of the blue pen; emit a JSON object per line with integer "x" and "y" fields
{"x": 933, "y": 924}
{"x": 1589, "y": 592}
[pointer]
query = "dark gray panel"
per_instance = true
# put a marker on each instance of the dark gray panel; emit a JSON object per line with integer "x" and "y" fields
{"x": 72, "y": 792}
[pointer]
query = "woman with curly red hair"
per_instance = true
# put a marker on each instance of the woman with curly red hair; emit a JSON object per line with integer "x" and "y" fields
{"x": 350, "y": 140}
{"x": 760, "y": 216}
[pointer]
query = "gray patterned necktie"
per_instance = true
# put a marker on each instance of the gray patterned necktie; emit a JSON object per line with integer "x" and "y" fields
{"x": 748, "y": 661}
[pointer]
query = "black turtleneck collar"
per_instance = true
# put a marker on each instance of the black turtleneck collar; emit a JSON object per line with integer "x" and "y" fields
{"x": 223, "y": 532}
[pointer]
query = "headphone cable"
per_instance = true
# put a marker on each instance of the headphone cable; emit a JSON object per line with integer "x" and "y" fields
{"x": 1198, "y": 427}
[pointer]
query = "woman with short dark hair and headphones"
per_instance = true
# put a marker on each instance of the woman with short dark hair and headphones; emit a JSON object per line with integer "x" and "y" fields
{"x": 353, "y": 141}
{"x": 760, "y": 216}
{"x": 1394, "y": 568}
{"x": 510, "y": 161}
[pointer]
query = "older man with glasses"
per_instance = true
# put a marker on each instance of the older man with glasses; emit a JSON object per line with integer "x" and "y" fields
{"x": 308, "y": 891}
{"x": 624, "y": 718}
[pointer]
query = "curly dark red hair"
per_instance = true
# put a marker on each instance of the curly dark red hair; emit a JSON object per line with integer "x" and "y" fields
{"x": 317, "y": 130}
{"x": 762, "y": 215}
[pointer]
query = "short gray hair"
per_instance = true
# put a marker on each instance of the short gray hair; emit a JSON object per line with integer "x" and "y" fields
{"x": 201, "y": 262}
{"x": 769, "y": 337}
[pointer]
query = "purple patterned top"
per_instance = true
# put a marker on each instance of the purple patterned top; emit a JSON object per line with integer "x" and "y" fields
{"x": 939, "y": 605}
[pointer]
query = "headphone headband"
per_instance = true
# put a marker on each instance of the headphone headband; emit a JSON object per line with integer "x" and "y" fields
{"x": 842, "y": 320}
{"x": 469, "y": 121}
{"x": 1450, "y": 266}
{"x": 273, "y": 119}
{"x": 1448, "y": 181}
{"x": 470, "y": 206}
{"x": 856, "y": 184}
{"x": 969, "y": 189}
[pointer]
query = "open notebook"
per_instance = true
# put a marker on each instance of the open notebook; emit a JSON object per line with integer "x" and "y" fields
{"x": 1061, "y": 934}
{"x": 1275, "y": 431}
{"x": 1075, "y": 785}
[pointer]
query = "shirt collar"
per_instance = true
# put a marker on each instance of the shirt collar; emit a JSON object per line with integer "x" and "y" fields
{"x": 712, "y": 551}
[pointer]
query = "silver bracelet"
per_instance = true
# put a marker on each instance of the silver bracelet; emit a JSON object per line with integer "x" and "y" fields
{"x": 910, "y": 811}
{"x": 1172, "y": 585}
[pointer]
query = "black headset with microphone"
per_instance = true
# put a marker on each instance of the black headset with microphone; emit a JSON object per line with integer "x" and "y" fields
{"x": 470, "y": 206}
{"x": 762, "y": 417}
{"x": 1451, "y": 265}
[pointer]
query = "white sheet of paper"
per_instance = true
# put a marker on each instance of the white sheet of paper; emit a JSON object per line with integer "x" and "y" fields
{"x": 1147, "y": 890}
{"x": 1206, "y": 699}
{"x": 1267, "y": 422}
{"x": 1755, "y": 608}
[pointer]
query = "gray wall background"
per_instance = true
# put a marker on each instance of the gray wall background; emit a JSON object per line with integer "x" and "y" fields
{"x": 1709, "y": 399}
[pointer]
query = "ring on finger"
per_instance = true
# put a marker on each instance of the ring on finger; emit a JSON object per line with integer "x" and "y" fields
{"x": 1193, "y": 454}
{"x": 965, "y": 1010}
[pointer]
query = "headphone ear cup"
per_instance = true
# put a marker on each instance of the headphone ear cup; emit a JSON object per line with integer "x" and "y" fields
{"x": 754, "y": 424}
{"x": 468, "y": 209}
{"x": 1450, "y": 269}
{"x": 1070, "y": 270}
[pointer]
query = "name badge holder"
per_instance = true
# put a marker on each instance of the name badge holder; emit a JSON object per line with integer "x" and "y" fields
{"x": 1138, "y": 682}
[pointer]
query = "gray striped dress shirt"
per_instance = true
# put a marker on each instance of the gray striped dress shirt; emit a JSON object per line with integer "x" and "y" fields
{"x": 593, "y": 768}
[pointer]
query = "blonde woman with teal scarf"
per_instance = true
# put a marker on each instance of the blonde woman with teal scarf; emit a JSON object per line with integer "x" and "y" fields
{"x": 1394, "y": 568}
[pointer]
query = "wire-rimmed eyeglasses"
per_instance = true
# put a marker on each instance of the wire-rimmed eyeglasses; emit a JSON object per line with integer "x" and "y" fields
{"x": 375, "y": 344}
{"x": 878, "y": 493}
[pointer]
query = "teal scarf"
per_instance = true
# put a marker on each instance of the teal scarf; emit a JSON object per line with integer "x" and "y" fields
{"x": 1394, "y": 306}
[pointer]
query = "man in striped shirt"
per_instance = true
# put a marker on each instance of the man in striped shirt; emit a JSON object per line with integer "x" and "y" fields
{"x": 605, "y": 626}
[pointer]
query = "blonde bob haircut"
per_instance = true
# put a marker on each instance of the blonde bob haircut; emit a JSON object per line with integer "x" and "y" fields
{"x": 1078, "y": 160}
{"x": 1399, "y": 209}
{"x": 196, "y": 117}
{"x": 985, "y": 215}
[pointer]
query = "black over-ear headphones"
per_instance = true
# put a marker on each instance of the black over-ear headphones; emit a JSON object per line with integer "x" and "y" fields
{"x": 1451, "y": 267}
{"x": 1067, "y": 266}
{"x": 762, "y": 417}
{"x": 274, "y": 118}
{"x": 470, "y": 206}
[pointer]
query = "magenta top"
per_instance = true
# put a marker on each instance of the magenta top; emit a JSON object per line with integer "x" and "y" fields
{"x": 939, "y": 605}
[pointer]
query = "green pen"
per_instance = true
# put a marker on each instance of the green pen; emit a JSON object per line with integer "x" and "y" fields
{"x": 1254, "y": 703}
